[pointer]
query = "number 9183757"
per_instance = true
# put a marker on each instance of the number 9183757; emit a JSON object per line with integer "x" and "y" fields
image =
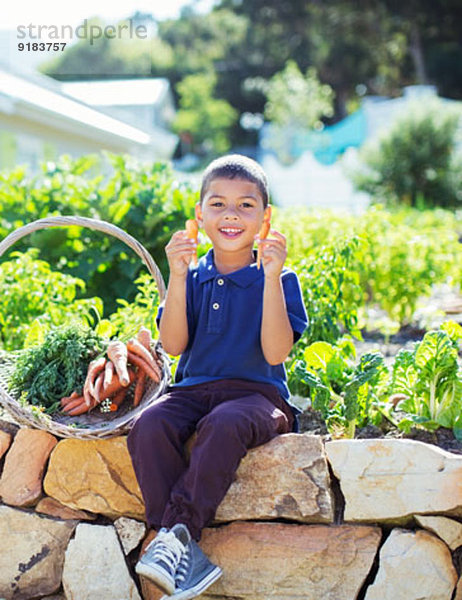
{"x": 41, "y": 46}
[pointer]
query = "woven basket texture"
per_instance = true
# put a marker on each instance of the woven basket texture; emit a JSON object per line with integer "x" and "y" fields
{"x": 95, "y": 424}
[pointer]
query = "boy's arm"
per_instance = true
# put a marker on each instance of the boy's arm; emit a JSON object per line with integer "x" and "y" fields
{"x": 277, "y": 336}
{"x": 173, "y": 326}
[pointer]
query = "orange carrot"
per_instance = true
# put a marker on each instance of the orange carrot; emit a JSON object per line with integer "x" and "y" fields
{"x": 144, "y": 337}
{"x": 117, "y": 352}
{"x": 94, "y": 369}
{"x": 80, "y": 409}
{"x": 116, "y": 384}
{"x": 117, "y": 399}
{"x": 139, "y": 387}
{"x": 98, "y": 387}
{"x": 67, "y": 399}
{"x": 77, "y": 401}
{"x": 108, "y": 373}
{"x": 192, "y": 231}
{"x": 137, "y": 348}
{"x": 142, "y": 364}
{"x": 263, "y": 234}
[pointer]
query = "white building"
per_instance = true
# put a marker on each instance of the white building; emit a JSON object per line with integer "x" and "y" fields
{"x": 39, "y": 119}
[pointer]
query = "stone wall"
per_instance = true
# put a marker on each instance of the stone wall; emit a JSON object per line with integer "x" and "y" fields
{"x": 348, "y": 519}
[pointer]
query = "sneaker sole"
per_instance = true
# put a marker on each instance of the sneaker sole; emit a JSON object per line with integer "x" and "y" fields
{"x": 199, "y": 588}
{"x": 156, "y": 576}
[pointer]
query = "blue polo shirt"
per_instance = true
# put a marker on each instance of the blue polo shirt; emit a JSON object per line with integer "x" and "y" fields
{"x": 224, "y": 315}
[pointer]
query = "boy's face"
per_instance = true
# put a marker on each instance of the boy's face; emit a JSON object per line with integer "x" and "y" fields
{"x": 231, "y": 213}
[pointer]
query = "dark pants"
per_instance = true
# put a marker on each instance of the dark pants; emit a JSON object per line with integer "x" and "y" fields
{"x": 230, "y": 416}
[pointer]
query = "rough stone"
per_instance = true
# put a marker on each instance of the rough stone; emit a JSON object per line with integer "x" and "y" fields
{"x": 285, "y": 561}
{"x": 449, "y": 530}
{"x": 458, "y": 594}
{"x": 5, "y": 442}
{"x": 95, "y": 475}
{"x": 418, "y": 553}
{"x": 286, "y": 478}
{"x": 95, "y": 568}
{"x": 50, "y": 506}
{"x": 21, "y": 481}
{"x": 31, "y": 561}
{"x": 130, "y": 533}
{"x": 387, "y": 480}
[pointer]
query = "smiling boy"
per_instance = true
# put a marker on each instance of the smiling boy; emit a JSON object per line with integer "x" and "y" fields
{"x": 234, "y": 325}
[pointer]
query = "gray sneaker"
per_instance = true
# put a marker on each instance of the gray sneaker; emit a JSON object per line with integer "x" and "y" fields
{"x": 163, "y": 555}
{"x": 195, "y": 573}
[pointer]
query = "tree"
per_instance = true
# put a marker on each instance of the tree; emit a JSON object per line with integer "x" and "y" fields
{"x": 206, "y": 119}
{"x": 298, "y": 100}
{"x": 414, "y": 162}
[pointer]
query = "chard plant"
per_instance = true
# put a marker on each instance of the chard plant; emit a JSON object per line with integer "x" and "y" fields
{"x": 345, "y": 393}
{"x": 429, "y": 377}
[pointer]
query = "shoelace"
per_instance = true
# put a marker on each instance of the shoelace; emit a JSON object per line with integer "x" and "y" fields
{"x": 166, "y": 547}
{"x": 183, "y": 567}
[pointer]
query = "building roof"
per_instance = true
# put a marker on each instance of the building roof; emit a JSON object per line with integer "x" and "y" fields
{"x": 118, "y": 92}
{"x": 19, "y": 94}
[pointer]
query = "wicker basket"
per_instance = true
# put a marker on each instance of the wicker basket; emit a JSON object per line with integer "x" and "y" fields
{"x": 93, "y": 425}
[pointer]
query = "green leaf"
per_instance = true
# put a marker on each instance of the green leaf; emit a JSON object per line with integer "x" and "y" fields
{"x": 318, "y": 355}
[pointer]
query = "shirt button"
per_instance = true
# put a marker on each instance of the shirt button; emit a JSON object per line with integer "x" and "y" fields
{"x": 215, "y": 306}
{"x": 220, "y": 281}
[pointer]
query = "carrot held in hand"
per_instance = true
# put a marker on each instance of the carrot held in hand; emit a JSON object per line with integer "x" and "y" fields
{"x": 192, "y": 231}
{"x": 263, "y": 234}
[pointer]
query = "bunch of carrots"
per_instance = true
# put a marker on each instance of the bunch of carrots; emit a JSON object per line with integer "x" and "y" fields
{"x": 109, "y": 377}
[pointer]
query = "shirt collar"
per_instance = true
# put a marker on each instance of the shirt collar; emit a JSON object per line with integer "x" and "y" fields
{"x": 243, "y": 277}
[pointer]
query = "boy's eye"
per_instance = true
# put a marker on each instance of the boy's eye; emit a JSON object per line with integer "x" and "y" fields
{"x": 216, "y": 203}
{"x": 247, "y": 205}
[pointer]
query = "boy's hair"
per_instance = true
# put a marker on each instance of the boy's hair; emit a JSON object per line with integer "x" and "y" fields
{"x": 235, "y": 166}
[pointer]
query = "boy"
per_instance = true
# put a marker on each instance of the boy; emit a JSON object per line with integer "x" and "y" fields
{"x": 234, "y": 325}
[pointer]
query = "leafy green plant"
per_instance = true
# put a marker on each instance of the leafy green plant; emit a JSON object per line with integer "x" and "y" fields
{"x": 145, "y": 200}
{"x": 346, "y": 394}
{"x": 46, "y": 372}
{"x": 130, "y": 316}
{"x": 31, "y": 292}
{"x": 430, "y": 378}
{"x": 330, "y": 289}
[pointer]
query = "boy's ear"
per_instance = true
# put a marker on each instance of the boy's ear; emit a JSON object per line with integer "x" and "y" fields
{"x": 198, "y": 210}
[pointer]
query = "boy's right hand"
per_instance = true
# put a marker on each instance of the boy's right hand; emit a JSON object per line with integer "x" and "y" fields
{"x": 180, "y": 251}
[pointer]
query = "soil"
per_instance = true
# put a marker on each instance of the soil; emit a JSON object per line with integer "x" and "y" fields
{"x": 312, "y": 422}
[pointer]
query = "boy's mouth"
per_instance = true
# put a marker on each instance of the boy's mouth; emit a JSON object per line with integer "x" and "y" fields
{"x": 231, "y": 232}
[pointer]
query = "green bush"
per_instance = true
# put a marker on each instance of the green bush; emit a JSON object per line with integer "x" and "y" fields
{"x": 414, "y": 161}
{"x": 144, "y": 200}
{"x": 400, "y": 254}
{"x": 31, "y": 294}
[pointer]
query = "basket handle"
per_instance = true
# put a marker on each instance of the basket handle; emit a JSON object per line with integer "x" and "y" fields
{"x": 97, "y": 225}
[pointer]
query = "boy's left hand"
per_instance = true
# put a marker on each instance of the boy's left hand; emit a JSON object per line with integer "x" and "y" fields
{"x": 274, "y": 253}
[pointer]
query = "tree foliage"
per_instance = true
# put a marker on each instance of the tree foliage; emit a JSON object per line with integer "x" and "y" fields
{"x": 142, "y": 199}
{"x": 366, "y": 46}
{"x": 415, "y": 161}
{"x": 206, "y": 119}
